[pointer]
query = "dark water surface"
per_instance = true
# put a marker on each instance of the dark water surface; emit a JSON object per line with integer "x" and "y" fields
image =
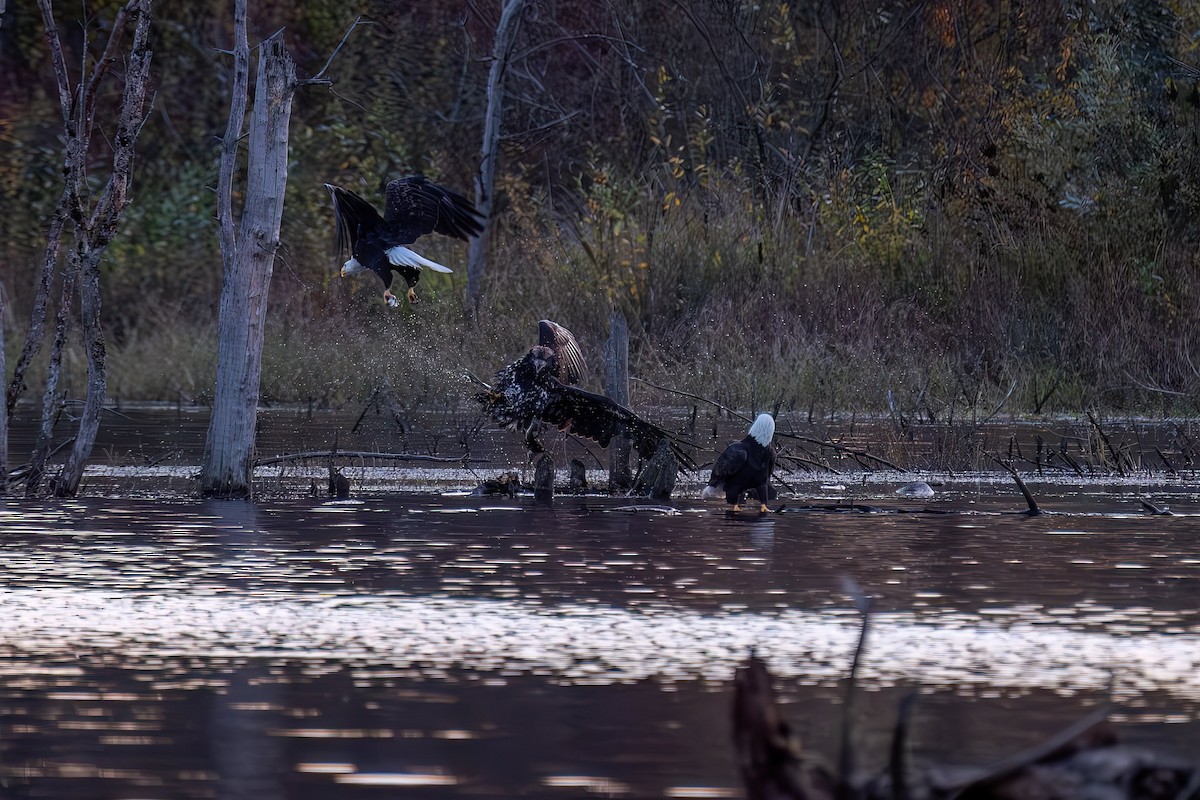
{"x": 450, "y": 646}
{"x": 432, "y": 644}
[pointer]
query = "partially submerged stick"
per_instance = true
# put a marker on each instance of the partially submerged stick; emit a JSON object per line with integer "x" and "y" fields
{"x": 1033, "y": 506}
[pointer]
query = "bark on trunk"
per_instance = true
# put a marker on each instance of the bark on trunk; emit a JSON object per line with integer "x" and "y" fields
{"x": 249, "y": 257}
{"x": 87, "y": 262}
{"x": 51, "y": 399}
{"x": 616, "y": 386}
{"x": 92, "y": 227}
{"x": 485, "y": 181}
{"x": 3, "y": 408}
{"x": 41, "y": 302}
{"x": 91, "y": 243}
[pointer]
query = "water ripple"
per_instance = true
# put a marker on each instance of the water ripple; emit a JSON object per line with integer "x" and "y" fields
{"x": 583, "y": 643}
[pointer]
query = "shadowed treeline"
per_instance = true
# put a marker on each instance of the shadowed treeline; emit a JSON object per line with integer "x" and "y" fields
{"x": 933, "y": 209}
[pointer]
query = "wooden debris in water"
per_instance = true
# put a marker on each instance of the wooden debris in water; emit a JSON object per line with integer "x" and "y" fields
{"x": 769, "y": 754}
{"x": 658, "y": 476}
{"x": 578, "y": 479}
{"x": 1084, "y": 760}
{"x": 1029, "y": 501}
{"x": 543, "y": 479}
{"x": 508, "y": 484}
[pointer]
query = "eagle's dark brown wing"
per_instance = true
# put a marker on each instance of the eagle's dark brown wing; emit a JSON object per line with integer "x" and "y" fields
{"x": 568, "y": 358}
{"x": 731, "y": 460}
{"x": 353, "y": 215}
{"x": 416, "y": 207}
{"x": 599, "y": 418}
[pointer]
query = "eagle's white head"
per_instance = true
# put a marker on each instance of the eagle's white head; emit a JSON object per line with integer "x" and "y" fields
{"x": 763, "y": 429}
{"x": 352, "y": 266}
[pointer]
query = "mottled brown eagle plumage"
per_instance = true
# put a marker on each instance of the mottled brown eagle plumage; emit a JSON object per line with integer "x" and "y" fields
{"x": 539, "y": 388}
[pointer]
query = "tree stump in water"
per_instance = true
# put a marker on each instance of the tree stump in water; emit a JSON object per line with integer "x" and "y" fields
{"x": 578, "y": 480}
{"x": 660, "y": 473}
{"x": 339, "y": 485}
{"x": 543, "y": 480}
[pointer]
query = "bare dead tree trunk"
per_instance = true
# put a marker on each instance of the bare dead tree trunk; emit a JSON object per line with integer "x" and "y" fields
{"x": 485, "y": 181}
{"x": 616, "y": 386}
{"x": 50, "y": 396}
{"x": 248, "y": 253}
{"x": 3, "y": 407}
{"x": 41, "y": 301}
{"x": 92, "y": 227}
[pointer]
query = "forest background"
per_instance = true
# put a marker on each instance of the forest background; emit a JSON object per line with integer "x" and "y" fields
{"x": 939, "y": 206}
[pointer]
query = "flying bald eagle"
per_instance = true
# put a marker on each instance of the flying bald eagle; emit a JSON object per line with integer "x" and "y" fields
{"x": 539, "y": 388}
{"x": 415, "y": 207}
{"x": 745, "y": 465}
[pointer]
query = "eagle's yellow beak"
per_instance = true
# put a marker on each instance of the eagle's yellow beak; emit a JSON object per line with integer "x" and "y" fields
{"x": 343, "y": 272}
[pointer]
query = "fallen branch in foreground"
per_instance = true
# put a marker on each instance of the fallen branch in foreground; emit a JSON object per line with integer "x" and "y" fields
{"x": 1085, "y": 755}
{"x": 311, "y": 454}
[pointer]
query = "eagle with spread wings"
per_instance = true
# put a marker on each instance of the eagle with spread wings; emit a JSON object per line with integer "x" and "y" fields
{"x": 415, "y": 207}
{"x": 539, "y": 387}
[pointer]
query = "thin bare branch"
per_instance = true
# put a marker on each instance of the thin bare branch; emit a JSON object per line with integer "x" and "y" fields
{"x": 233, "y": 132}
{"x": 56, "y": 57}
{"x": 320, "y": 76}
{"x": 308, "y": 455}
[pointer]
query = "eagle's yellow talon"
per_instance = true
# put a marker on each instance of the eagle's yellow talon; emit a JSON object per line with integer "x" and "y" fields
{"x": 762, "y": 508}
{"x": 412, "y": 295}
{"x": 736, "y": 508}
{"x": 390, "y": 298}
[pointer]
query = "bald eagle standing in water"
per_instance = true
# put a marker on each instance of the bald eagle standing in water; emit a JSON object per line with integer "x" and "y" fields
{"x": 745, "y": 465}
{"x": 415, "y": 207}
{"x": 539, "y": 388}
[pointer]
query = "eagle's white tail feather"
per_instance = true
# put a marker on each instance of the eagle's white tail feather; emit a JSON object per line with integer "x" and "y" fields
{"x": 710, "y": 492}
{"x": 403, "y": 257}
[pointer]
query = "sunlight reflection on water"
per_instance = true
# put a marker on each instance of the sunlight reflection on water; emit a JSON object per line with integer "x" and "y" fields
{"x": 596, "y": 645}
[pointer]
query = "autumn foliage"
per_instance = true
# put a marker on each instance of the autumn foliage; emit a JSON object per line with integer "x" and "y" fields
{"x": 952, "y": 203}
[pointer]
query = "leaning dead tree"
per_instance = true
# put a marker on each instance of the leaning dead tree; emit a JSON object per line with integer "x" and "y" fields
{"x": 92, "y": 222}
